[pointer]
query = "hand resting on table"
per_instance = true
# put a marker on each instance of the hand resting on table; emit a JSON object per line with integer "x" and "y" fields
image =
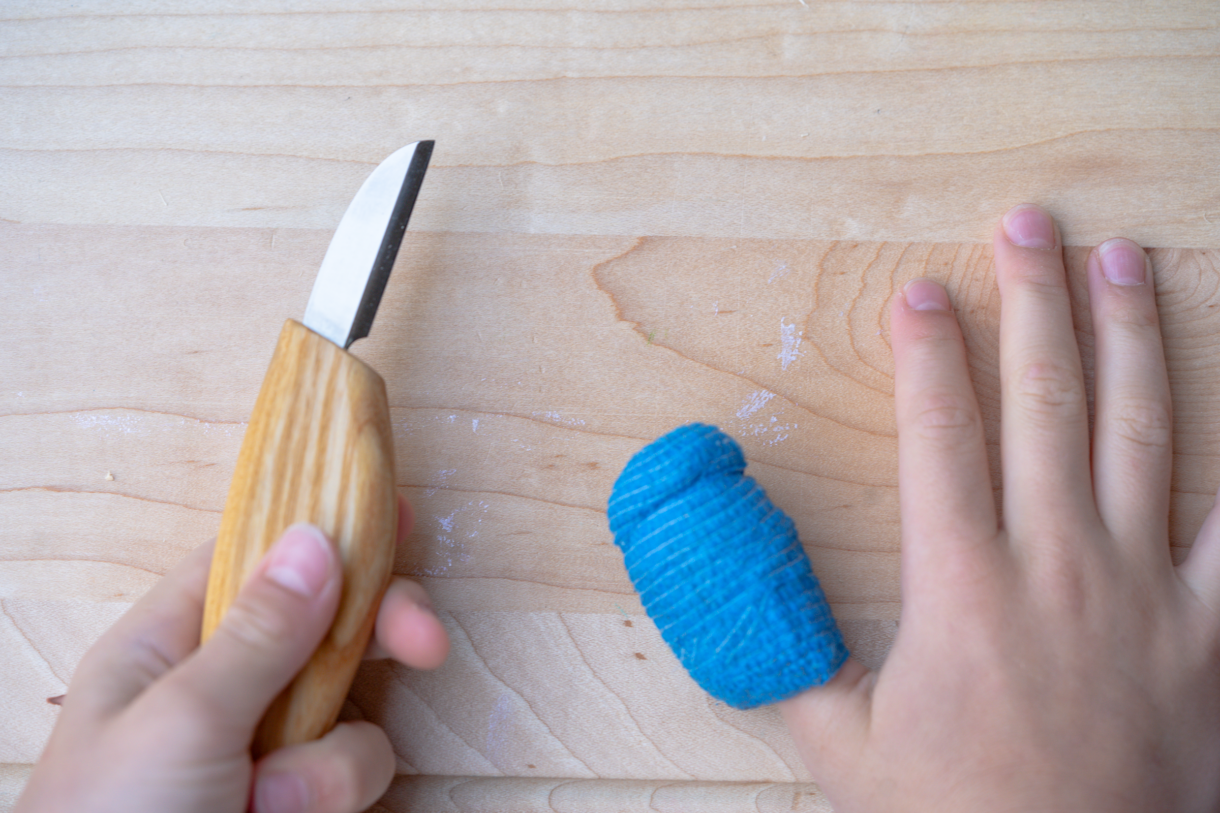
{"x": 1055, "y": 660}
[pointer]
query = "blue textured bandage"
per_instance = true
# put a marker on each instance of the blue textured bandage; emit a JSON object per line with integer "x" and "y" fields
{"x": 721, "y": 571}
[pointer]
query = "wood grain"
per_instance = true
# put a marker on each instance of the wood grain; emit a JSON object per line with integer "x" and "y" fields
{"x": 318, "y": 450}
{"x": 451, "y": 794}
{"x": 913, "y": 121}
{"x": 459, "y": 793}
{"x": 637, "y": 215}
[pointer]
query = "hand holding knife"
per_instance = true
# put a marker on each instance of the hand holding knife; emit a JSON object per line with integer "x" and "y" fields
{"x": 319, "y": 449}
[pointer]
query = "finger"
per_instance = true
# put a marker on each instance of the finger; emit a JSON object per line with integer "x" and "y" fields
{"x": 407, "y": 628}
{"x": 151, "y": 638}
{"x": 406, "y": 518}
{"x": 279, "y": 616}
{"x": 1201, "y": 569}
{"x": 829, "y": 723}
{"x": 1044, "y": 431}
{"x": 944, "y": 480}
{"x": 1133, "y": 431}
{"x": 347, "y": 770}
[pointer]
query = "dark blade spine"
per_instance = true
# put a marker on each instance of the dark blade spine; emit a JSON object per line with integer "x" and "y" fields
{"x": 390, "y": 243}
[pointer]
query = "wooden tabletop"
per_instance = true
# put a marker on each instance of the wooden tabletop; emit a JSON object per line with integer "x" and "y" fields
{"x": 636, "y": 216}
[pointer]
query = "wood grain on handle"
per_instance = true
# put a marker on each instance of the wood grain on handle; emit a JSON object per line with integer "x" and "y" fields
{"x": 318, "y": 449}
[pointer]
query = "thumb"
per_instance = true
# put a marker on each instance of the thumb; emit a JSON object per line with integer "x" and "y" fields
{"x": 277, "y": 620}
{"x": 829, "y": 723}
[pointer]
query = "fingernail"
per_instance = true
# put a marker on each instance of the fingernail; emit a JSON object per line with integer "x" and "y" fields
{"x": 1029, "y": 226}
{"x": 926, "y": 295}
{"x": 300, "y": 561}
{"x": 281, "y": 793}
{"x": 1123, "y": 262}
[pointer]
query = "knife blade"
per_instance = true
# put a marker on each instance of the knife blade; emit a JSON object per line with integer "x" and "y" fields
{"x": 319, "y": 449}
{"x": 361, "y": 254}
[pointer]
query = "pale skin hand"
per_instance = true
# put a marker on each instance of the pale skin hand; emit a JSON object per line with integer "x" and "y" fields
{"x": 1057, "y": 661}
{"x": 152, "y": 721}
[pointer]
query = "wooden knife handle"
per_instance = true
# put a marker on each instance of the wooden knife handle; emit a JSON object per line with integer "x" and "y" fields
{"x": 318, "y": 449}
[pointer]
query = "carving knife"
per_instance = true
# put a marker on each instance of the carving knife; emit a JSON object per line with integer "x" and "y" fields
{"x": 319, "y": 449}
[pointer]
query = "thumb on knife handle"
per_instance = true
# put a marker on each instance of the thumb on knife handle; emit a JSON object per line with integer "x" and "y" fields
{"x": 318, "y": 449}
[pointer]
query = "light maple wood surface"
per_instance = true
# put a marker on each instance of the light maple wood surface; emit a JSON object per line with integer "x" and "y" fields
{"x": 637, "y": 215}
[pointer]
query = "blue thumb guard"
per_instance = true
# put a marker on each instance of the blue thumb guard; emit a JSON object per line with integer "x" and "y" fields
{"x": 721, "y": 571}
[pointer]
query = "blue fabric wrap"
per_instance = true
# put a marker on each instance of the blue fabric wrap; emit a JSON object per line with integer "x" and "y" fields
{"x": 721, "y": 571}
